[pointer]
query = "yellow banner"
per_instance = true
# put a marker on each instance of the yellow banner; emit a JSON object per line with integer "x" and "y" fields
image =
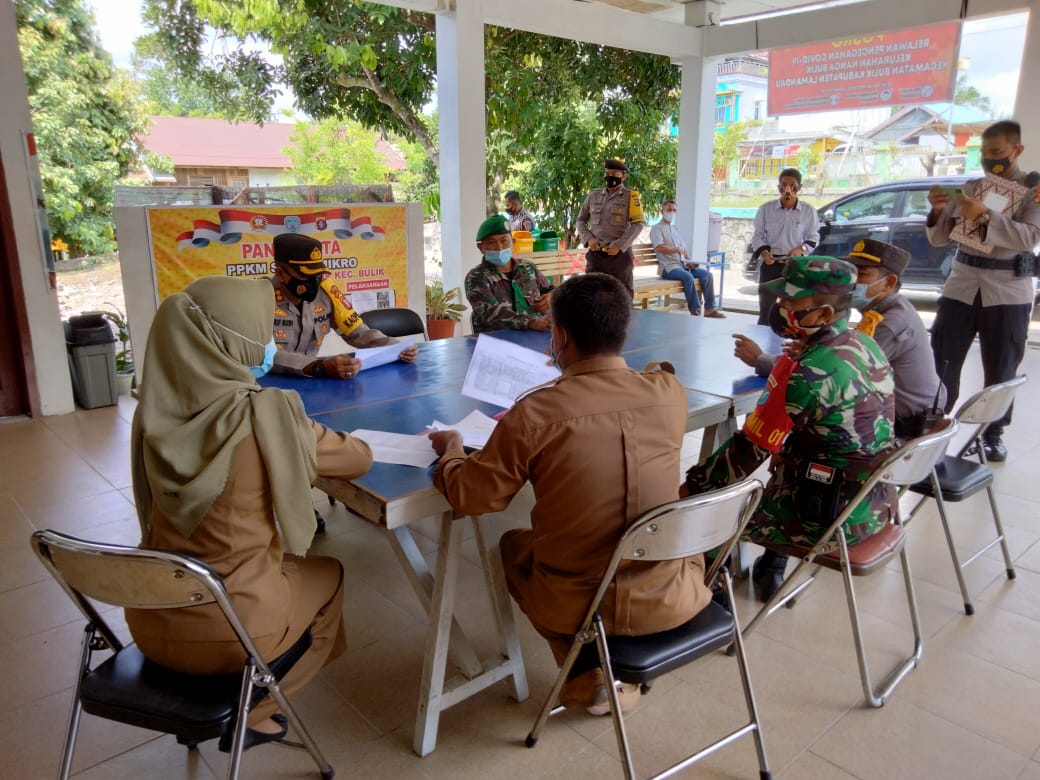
{"x": 365, "y": 246}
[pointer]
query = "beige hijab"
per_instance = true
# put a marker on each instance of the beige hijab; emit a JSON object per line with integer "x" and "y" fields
{"x": 199, "y": 400}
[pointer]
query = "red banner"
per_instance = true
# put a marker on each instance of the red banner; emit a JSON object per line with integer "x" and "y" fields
{"x": 909, "y": 66}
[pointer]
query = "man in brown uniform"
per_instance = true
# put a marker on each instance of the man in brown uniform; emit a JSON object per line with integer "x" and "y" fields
{"x": 610, "y": 220}
{"x": 615, "y": 432}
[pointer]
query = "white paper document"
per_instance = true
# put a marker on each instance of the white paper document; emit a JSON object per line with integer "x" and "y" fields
{"x": 399, "y": 448}
{"x": 500, "y": 371}
{"x": 332, "y": 345}
{"x": 380, "y": 356}
{"x": 475, "y": 427}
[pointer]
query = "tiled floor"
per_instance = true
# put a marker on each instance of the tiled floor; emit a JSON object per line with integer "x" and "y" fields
{"x": 972, "y": 710}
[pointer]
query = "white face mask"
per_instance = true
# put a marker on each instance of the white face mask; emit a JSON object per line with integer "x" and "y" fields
{"x": 668, "y": 216}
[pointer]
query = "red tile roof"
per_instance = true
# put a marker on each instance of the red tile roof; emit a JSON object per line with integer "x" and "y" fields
{"x": 214, "y": 143}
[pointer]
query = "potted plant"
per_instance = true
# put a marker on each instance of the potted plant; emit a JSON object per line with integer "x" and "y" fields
{"x": 125, "y": 355}
{"x": 441, "y": 310}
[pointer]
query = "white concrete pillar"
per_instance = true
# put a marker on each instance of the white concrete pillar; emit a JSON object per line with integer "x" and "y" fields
{"x": 46, "y": 364}
{"x": 460, "y": 106}
{"x": 1027, "y": 107}
{"x": 696, "y": 138}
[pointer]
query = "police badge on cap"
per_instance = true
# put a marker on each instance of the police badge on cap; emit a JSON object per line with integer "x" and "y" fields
{"x": 301, "y": 253}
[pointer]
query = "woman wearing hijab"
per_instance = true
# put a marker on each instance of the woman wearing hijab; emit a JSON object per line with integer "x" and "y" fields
{"x": 222, "y": 471}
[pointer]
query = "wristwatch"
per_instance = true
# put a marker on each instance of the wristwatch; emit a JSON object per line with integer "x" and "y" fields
{"x": 318, "y": 372}
{"x": 984, "y": 218}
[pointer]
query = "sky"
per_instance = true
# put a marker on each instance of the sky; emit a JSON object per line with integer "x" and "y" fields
{"x": 993, "y": 46}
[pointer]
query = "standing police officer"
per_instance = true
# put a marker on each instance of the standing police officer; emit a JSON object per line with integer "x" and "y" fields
{"x": 991, "y": 294}
{"x": 610, "y": 220}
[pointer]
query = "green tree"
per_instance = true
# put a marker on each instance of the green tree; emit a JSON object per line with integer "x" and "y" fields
{"x": 332, "y": 152}
{"x": 726, "y": 149}
{"x": 965, "y": 94}
{"x": 84, "y": 117}
{"x": 377, "y": 65}
{"x": 164, "y": 90}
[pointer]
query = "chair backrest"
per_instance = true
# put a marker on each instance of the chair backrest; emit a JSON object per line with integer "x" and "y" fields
{"x": 132, "y": 577}
{"x": 394, "y": 322}
{"x": 991, "y": 403}
{"x": 683, "y": 528}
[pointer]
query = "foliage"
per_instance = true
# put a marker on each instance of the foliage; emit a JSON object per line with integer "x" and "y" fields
{"x": 164, "y": 90}
{"x": 125, "y": 356}
{"x": 440, "y": 303}
{"x": 332, "y": 152}
{"x": 85, "y": 120}
{"x": 377, "y": 65}
{"x": 726, "y": 148}
{"x": 965, "y": 94}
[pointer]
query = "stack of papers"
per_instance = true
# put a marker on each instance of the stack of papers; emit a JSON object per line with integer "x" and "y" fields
{"x": 500, "y": 371}
{"x": 476, "y": 428}
{"x": 399, "y": 448}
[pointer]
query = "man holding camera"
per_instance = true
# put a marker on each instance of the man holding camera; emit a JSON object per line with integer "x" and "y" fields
{"x": 990, "y": 295}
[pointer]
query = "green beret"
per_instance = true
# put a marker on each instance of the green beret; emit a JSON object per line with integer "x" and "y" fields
{"x": 805, "y": 276}
{"x": 301, "y": 253}
{"x": 492, "y": 226}
{"x": 871, "y": 253}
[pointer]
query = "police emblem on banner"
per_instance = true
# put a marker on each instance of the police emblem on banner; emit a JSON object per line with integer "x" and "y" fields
{"x": 258, "y": 222}
{"x": 292, "y": 223}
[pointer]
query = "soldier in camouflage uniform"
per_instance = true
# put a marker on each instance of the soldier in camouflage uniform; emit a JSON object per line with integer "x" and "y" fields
{"x": 609, "y": 222}
{"x": 505, "y": 294}
{"x": 826, "y": 417}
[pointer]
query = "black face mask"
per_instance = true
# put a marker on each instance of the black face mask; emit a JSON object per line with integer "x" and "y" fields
{"x": 998, "y": 167}
{"x": 612, "y": 181}
{"x": 307, "y": 289}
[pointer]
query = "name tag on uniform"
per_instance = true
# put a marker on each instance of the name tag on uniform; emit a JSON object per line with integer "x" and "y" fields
{"x": 820, "y": 473}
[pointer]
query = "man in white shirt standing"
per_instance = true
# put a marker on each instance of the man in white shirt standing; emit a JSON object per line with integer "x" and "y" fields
{"x": 785, "y": 227}
{"x": 673, "y": 263}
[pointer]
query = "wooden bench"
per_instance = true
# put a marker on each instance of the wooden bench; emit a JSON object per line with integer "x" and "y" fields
{"x": 559, "y": 264}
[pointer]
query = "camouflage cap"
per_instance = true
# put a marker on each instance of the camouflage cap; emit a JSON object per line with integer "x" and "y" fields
{"x": 871, "y": 253}
{"x": 805, "y": 276}
{"x": 300, "y": 253}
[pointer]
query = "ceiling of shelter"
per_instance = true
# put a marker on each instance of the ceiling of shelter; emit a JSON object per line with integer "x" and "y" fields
{"x": 730, "y": 10}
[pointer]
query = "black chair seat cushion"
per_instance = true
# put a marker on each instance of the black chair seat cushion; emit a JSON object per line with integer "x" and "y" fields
{"x": 638, "y": 659}
{"x": 865, "y": 555}
{"x": 129, "y": 688}
{"x": 959, "y": 478}
{"x": 395, "y": 322}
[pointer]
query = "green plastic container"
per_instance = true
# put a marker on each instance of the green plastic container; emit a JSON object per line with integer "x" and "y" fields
{"x": 546, "y": 241}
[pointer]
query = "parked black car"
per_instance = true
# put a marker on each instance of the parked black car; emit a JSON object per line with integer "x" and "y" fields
{"x": 893, "y": 212}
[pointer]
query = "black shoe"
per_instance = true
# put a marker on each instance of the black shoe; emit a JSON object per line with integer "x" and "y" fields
{"x": 768, "y": 575}
{"x": 995, "y": 450}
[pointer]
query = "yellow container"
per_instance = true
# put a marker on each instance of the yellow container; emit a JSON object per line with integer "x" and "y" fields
{"x": 523, "y": 241}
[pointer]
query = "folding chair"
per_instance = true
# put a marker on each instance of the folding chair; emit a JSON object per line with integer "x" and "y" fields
{"x": 676, "y": 530}
{"x": 957, "y": 478}
{"x": 128, "y": 688}
{"x": 907, "y": 465}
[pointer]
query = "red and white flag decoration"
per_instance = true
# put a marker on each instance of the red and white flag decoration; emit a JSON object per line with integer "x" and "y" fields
{"x": 235, "y": 223}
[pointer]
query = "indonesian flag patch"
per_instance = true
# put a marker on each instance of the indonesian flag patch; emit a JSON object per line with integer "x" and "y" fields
{"x": 820, "y": 473}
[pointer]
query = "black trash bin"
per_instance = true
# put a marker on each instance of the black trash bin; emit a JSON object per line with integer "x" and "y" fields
{"x": 92, "y": 360}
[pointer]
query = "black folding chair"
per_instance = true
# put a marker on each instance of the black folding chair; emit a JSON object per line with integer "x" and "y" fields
{"x": 676, "y": 530}
{"x": 907, "y": 465}
{"x": 396, "y": 322}
{"x": 127, "y": 687}
{"x": 956, "y": 478}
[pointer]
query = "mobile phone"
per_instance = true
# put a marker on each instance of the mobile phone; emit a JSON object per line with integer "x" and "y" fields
{"x": 954, "y": 192}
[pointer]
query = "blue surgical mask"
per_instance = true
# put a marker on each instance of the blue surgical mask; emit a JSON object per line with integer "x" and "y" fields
{"x": 269, "y": 351}
{"x": 499, "y": 257}
{"x": 860, "y": 299}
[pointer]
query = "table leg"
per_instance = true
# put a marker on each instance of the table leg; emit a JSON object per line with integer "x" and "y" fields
{"x": 509, "y": 641}
{"x": 438, "y": 635}
{"x": 414, "y": 565}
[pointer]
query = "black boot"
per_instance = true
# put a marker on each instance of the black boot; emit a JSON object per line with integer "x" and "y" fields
{"x": 768, "y": 574}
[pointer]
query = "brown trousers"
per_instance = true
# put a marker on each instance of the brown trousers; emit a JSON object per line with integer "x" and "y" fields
{"x": 316, "y": 585}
